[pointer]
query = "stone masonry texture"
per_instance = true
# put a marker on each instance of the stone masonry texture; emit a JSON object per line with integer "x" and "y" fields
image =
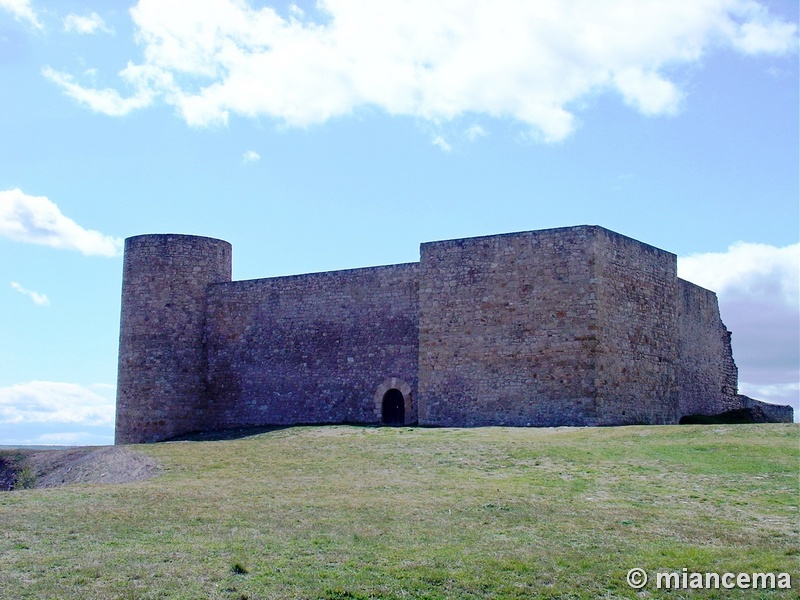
{"x": 572, "y": 326}
{"x": 310, "y": 348}
{"x": 706, "y": 369}
{"x": 508, "y": 330}
{"x": 161, "y": 387}
{"x": 636, "y": 380}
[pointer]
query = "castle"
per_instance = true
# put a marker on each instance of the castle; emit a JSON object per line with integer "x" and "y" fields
{"x": 569, "y": 326}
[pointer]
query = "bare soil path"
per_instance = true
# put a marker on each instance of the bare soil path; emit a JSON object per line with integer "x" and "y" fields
{"x": 93, "y": 464}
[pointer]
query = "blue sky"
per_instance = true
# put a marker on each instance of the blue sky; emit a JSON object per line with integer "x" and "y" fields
{"x": 339, "y": 134}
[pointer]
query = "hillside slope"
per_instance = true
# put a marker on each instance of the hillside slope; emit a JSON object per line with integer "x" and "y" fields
{"x": 358, "y": 512}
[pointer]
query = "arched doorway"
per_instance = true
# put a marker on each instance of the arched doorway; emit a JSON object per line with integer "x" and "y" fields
{"x": 394, "y": 403}
{"x": 393, "y": 407}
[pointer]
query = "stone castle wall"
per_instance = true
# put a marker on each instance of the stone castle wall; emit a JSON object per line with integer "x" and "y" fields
{"x": 706, "y": 371}
{"x": 637, "y": 347}
{"x": 508, "y": 330}
{"x": 311, "y": 348}
{"x": 570, "y": 326}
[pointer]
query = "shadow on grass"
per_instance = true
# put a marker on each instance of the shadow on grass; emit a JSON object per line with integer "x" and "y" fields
{"x": 226, "y": 434}
{"x": 237, "y": 433}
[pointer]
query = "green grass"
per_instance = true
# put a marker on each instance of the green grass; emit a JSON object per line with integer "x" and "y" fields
{"x": 362, "y": 513}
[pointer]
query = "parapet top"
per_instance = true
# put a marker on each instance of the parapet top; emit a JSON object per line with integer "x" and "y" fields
{"x": 177, "y": 237}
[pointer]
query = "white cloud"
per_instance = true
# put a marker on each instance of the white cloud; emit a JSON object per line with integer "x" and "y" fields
{"x": 648, "y": 92}
{"x": 439, "y": 141}
{"x": 109, "y": 101}
{"x": 474, "y": 132}
{"x": 22, "y": 11}
{"x": 251, "y": 156}
{"x": 85, "y": 24}
{"x": 528, "y": 61}
{"x": 55, "y": 434}
{"x": 37, "y": 298}
{"x": 748, "y": 270}
{"x": 785, "y": 393}
{"x": 70, "y": 438}
{"x": 54, "y": 402}
{"x": 759, "y": 297}
{"x": 37, "y": 220}
{"x": 760, "y": 31}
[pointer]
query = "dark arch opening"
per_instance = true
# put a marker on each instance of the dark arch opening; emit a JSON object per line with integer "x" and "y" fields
{"x": 393, "y": 408}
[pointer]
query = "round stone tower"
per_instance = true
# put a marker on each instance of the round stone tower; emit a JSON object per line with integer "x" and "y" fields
{"x": 161, "y": 375}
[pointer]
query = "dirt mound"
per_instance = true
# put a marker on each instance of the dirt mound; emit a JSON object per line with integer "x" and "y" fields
{"x": 105, "y": 464}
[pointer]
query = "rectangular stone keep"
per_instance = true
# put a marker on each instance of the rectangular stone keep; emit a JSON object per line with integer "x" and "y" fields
{"x": 508, "y": 329}
{"x": 637, "y": 352}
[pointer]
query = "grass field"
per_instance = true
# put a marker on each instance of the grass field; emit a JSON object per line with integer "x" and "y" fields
{"x": 358, "y": 512}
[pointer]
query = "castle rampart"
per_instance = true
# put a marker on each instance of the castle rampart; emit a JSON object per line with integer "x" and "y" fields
{"x": 569, "y": 326}
{"x": 708, "y": 375}
{"x": 311, "y": 348}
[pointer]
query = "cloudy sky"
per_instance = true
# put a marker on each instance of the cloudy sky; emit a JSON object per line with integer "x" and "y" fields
{"x": 342, "y": 133}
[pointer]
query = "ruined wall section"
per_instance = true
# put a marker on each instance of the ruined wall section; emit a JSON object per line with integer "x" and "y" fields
{"x": 637, "y": 338}
{"x": 706, "y": 373}
{"x": 508, "y": 328}
{"x": 311, "y": 348}
{"x": 161, "y": 372}
{"x": 765, "y": 412}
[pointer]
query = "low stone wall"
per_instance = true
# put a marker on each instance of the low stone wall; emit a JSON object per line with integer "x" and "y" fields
{"x": 773, "y": 413}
